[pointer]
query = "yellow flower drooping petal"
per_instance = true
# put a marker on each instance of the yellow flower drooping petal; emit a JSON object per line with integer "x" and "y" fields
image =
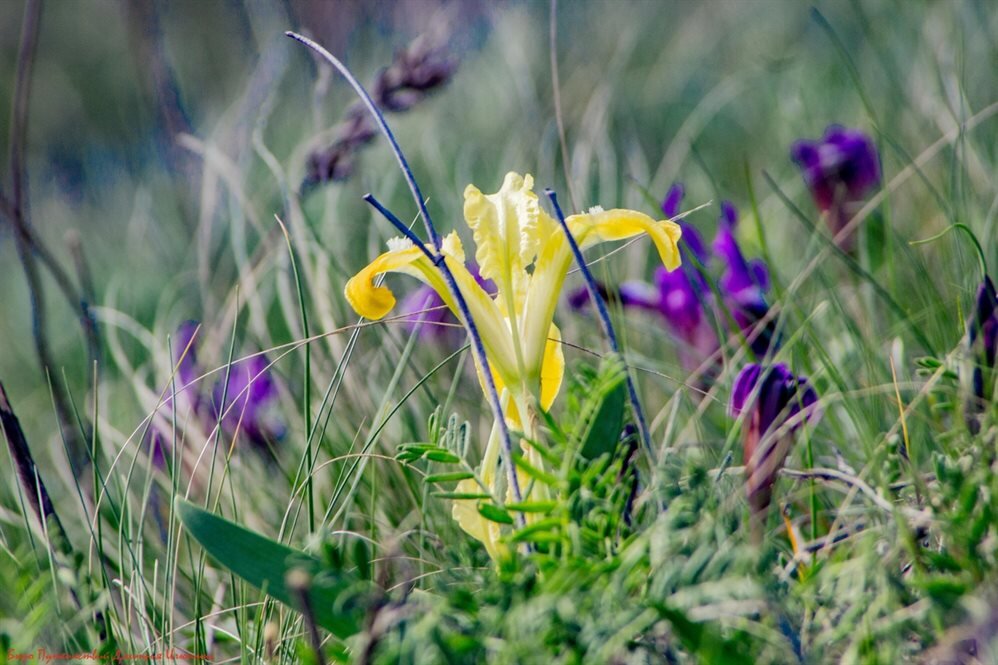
{"x": 618, "y": 224}
{"x": 369, "y": 299}
{"x": 465, "y": 513}
{"x": 525, "y": 253}
{"x": 374, "y": 302}
{"x": 555, "y": 258}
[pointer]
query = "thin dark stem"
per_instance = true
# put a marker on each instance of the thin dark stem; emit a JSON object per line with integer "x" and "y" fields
{"x": 400, "y": 225}
{"x": 438, "y": 259}
{"x": 27, "y": 470}
{"x": 379, "y": 118}
{"x": 34, "y": 487}
{"x": 87, "y": 297}
{"x": 18, "y": 218}
{"x": 27, "y": 245}
{"x": 604, "y": 317}
{"x": 299, "y": 583}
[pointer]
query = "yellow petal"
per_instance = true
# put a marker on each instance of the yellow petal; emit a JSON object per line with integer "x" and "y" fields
{"x": 367, "y": 298}
{"x": 465, "y": 513}
{"x": 619, "y": 224}
{"x": 508, "y": 227}
{"x": 552, "y": 369}
{"x": 555, "y": 258}
{"x": 374, "y": 302}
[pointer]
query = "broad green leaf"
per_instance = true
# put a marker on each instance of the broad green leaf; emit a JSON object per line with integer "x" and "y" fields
{"x": 602, "y": 415}
{"x": 336, "y": 600}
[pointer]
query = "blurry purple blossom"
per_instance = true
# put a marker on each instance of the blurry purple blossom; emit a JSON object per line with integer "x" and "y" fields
{"x": 840, "y": 170}
{"x": 250, "y": 401}
{"x": 743, "y": 283}
{"x": 250, "y": 407}
{"x": 189, "y": 399}
{"x": 770, "y": 398}
{"x": 185, "y": 358}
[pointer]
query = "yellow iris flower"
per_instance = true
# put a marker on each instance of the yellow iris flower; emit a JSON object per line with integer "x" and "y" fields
{"x": 525, "y": 253}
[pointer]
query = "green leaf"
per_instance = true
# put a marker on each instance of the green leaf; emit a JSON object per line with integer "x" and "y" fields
{"x": 532, "y": 506}
{"x": 460, "y": 496}
{"x": 448, "y": 477}
{"x": 494, "y": 513}
{"x": 264, "y": 563}
{"x": 704, "y": 640}
{"x": 537, "y": 474}
{"x": 531, "y": 531}
{"x": 601, "y": 417}
{"x": 444, "y": 456}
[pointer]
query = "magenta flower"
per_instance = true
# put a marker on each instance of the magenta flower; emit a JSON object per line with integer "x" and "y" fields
{"x": 775, "y": 403}
{"x": 840, "y": 170}
{"x": 982, "y": 345}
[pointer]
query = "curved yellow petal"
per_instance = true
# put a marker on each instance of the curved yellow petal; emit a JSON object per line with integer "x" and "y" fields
{"x": 369, "y": 299}
{"x": 374, "y": 302}
{"x": 555, "y": 258}
{"x": 620, "y": 224}
{"x": 552, "y": 368}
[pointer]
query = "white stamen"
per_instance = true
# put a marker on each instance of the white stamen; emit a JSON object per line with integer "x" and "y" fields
{"x": 399, "y": 243}
{"x": 595, "y": 209}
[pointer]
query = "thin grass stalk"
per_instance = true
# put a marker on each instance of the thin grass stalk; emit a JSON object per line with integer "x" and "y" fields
{"x": 307, "y": 388}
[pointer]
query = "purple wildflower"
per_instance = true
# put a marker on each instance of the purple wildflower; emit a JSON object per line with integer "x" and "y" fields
{"x": 840, "y": 170}
{"x": 250, "y": 399}
{"x": 744, "y": 284}
{"x": 773, "y": 400}
{"x": 982, "y": 344}
{"x": 250, "y": 402}
{"x": 692, "y": 242}
{"x": 185, "y": 354}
